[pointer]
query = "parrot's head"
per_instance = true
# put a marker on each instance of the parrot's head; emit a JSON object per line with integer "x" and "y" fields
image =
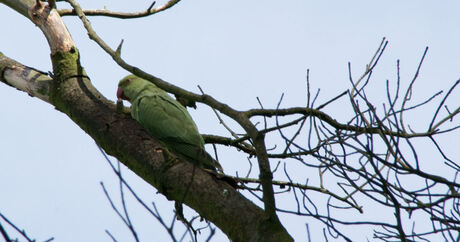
{"x": 130, "y": 87}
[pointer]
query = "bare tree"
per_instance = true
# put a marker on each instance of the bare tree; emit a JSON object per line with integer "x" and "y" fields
{"x": 366, "y": 159}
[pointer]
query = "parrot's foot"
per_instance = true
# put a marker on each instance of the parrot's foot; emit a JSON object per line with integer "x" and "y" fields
{"x": 168, "y": 157}
{"x": 121, "y": 108}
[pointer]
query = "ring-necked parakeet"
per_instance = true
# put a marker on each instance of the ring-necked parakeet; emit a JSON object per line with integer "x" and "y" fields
{"x": 165, "y": 119}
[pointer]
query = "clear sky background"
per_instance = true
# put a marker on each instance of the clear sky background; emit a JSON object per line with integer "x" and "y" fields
{"x": 50, "y": 169}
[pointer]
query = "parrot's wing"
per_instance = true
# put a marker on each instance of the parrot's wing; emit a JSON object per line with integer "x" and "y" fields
{"x": 165, "y": 119}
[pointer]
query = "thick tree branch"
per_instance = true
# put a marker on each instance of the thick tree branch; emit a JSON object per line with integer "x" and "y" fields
{"x": 54, "y": 29}
{"x": 20, "y": 6}
{"x": 32, "y": 81}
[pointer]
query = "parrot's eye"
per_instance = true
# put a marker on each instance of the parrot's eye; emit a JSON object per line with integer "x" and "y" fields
{"x": 128, "y": 81}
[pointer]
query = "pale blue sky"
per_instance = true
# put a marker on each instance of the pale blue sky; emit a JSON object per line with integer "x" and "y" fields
{"x": 235, "y": 50}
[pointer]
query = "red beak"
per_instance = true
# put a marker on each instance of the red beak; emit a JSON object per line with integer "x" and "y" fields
{"x": 121, "y": 94}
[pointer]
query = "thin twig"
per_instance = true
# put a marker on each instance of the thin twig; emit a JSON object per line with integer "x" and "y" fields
{"x": 122, "y": 15}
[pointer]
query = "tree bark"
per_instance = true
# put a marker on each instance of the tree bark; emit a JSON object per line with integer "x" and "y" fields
{"x": 71, "y": 92}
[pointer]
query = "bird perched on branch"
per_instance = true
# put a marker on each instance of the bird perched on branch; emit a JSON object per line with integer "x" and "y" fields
{"x": 165, "y": 119}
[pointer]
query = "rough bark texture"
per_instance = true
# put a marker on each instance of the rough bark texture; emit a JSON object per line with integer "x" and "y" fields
{"x": 119, "y": 135}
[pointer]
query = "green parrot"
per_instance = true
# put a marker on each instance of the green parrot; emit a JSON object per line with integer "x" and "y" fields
{"x": 165, "y": 119}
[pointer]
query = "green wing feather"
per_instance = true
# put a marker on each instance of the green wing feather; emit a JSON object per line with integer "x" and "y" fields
{"x": 166, "y": 119}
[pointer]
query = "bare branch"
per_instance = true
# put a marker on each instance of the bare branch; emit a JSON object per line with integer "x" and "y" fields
{"x": 122, "y": 15}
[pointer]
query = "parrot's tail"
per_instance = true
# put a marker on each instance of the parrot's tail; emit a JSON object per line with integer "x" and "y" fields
{"x": 204, "y": 160}
{"x": 196, "y": 155}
